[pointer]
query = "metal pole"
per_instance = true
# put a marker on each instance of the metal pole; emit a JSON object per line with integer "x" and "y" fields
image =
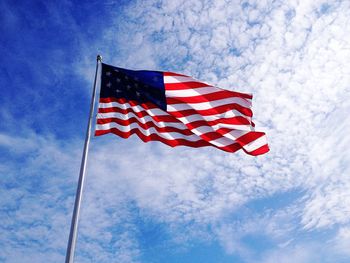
{"x": 75, "y": 217}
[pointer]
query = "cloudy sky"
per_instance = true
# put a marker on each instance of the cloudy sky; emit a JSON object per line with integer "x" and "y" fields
{"x": 149, "y": 203}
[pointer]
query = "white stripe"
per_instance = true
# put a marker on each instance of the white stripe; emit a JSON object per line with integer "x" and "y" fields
{"x": 193, "y": 118}
{"x": 207, "y": 105}
{"x": 205, "y": 128}
{"x": 195, "y": 92}
{"x": 136, "y": 108}
{"x": 225, "y": 141}
{"x": 178, "y": 79}
{"x": 179, "y": 125}
{"x": 241, "y": 127}
{"x": 190, "y": 92}
{"x": 148, "y": 132}
{"x": 222, "y": 141}
{"x": 249, "y": 147}
{"x": 224, "y": 115}
{"x": 143, "y": 120}
{"x": 256, "y": 144}
{"x": 159, "y": 112}
{"x": 235, "y": 134}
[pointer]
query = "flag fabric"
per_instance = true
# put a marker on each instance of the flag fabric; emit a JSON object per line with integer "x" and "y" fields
{"x": 176, "y": 110}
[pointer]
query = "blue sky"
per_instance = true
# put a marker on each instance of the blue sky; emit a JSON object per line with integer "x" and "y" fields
{"x": 150, "y": 203}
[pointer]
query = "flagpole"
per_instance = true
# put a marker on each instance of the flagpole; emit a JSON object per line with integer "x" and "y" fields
{"x": 75, "y": 217}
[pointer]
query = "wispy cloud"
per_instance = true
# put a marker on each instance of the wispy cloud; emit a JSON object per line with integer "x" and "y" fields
{"x": 37, "y": 184}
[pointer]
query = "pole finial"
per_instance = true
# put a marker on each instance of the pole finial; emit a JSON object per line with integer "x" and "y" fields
{"x": 99, "y": 58}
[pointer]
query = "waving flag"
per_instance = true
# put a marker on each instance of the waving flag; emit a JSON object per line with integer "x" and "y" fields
{"x": 176, "y": 110}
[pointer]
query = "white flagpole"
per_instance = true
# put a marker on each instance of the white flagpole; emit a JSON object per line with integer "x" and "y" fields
{"x": 75, "y": 217}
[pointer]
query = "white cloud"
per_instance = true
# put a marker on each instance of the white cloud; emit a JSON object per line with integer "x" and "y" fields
{"x": 34, "y": 206}
{"x": 329, "y": 201}
{"x": 341, "y": 242}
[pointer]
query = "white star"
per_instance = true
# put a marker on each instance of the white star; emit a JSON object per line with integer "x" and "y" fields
{"x": 118, "y": 79}
{"x": 128, "y": 87}
{"x": 108, "y": 73}
{"x": 109, "y": 84}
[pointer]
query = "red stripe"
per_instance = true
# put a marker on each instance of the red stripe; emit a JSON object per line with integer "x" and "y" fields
{"x": 239, "y": 144}
{"x": 147, "y": 105}
{"x": 152, "y": 137}
{"x": 263, "y": 149}
{"x": 195, "y": 84}
{"x": 233, "y": 121}
{"x": 215, "y": 110}
{"x": 218, "y": 95}
{"x": 145, "y": 126}
{"x": 244, "y": 139}
{"x": 210, "y": 136}
{"x": 238, "y": 120}
{"x": 167, "y": 73}
{"x": 141, "y": 114}
{"x": 185, "y": 85}
{"x": 230, "y": 148}
{"x": 249, "y": 137}
{"x": 173, "y": 143}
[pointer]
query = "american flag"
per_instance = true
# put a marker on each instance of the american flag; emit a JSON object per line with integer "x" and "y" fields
{"x": 176, "y": 110}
